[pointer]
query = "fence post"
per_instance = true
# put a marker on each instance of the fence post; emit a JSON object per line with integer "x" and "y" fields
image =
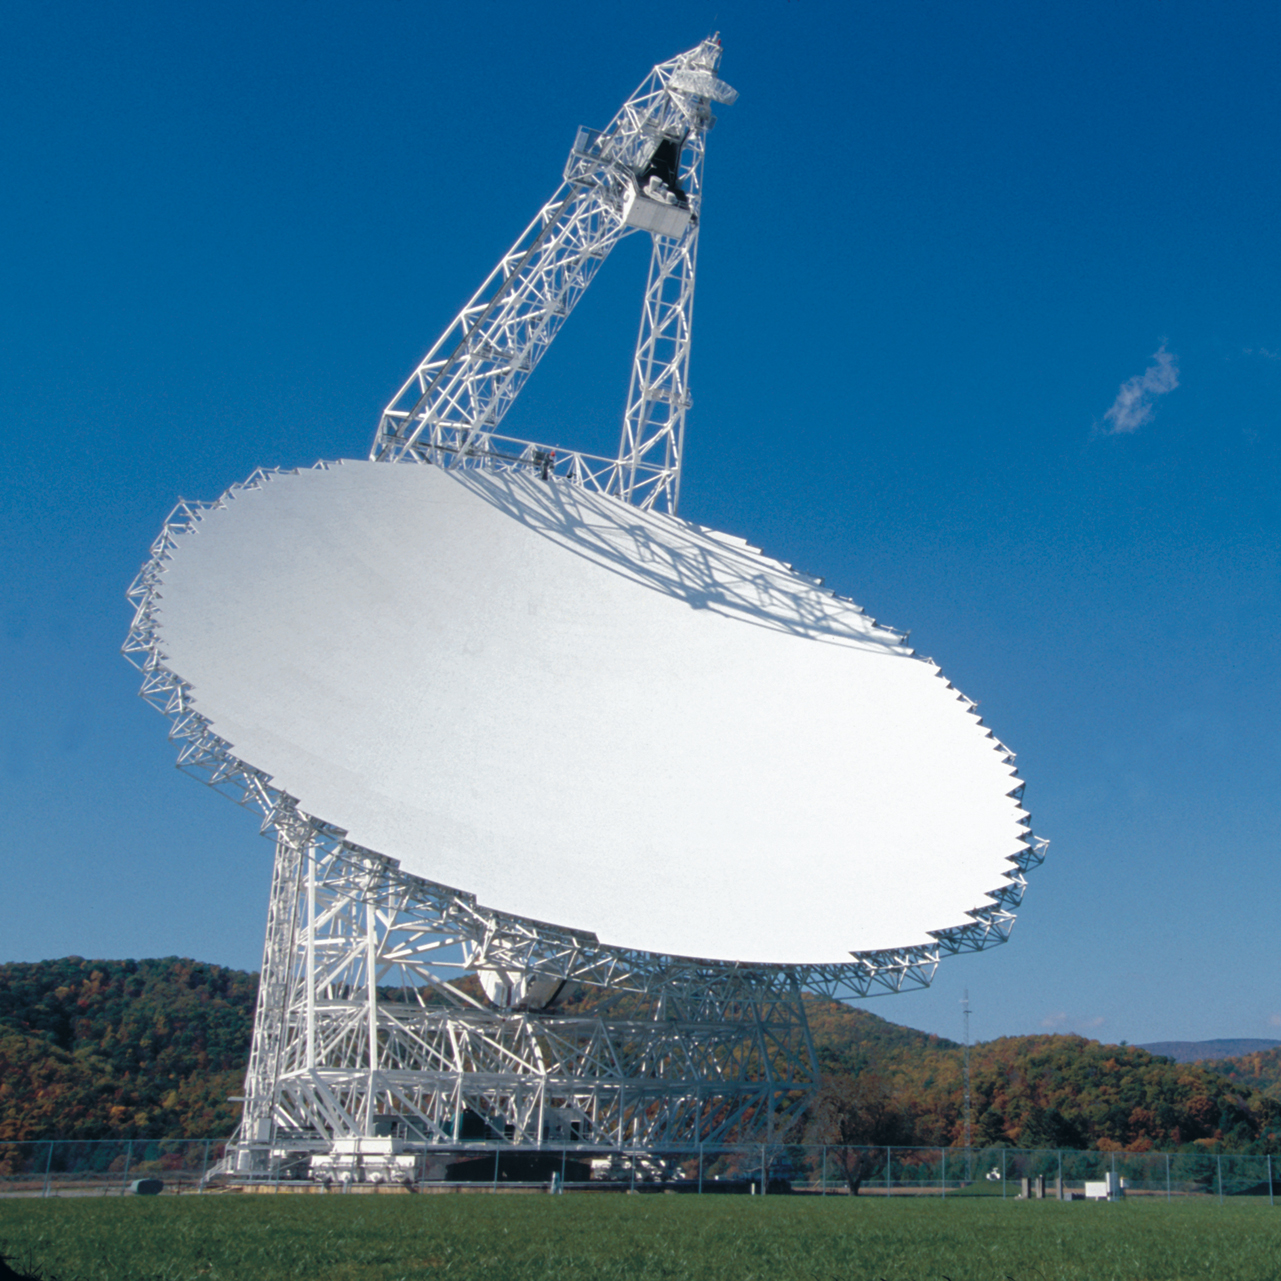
{"x": 700, "y": 1167}
{"x": 1059, "y": 1154}
{"x": 943, "y": 1180}
{"x": 495, "y": 1169}
{"x": 1167, "y": 1176}
{"x": 887, "y": 1171}
{"x": 764, "y": 1175}
{"x": 124, "y": 1183}
{"x": 1219, "y": 1160}
{"x": 1269, "y": 1177}
{"x": 563, "y": 1158}
{"x": 825, "y": 1171}
{"x": 48, "y": 1166}
{"x": 204, "y": 1167}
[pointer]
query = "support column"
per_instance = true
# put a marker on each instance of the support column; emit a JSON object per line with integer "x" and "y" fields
{"x": 371, "y": 1013}
{"x": 254, "y": 1140}
{"x": 658, "y": 398}
{"x": 311, "y": 961}
{"x": 354, "y": 1017}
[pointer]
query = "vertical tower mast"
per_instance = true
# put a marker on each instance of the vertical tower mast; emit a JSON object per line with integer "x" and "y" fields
{"x": 654, "y": 420}
{"x": 965, "y": 1008}
{"x": 644, "y": 172}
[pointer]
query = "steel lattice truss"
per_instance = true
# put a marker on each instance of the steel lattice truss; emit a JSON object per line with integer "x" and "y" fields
{"x": 360, "y": 1028}
{"x": 441, "y": 1053}
{"x": 449, "y": 410}
{"x": 505, "y": 941}
{"x": 366, "y": 1014}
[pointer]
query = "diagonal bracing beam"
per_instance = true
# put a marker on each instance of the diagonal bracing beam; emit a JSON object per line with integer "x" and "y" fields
{"x": 644, "y": 172}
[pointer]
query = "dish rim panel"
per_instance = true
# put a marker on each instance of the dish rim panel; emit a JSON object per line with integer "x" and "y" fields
{"x": 210, "y": 758}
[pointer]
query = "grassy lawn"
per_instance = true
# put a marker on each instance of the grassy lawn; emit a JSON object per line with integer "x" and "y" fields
{"x": 636, "y": 1238}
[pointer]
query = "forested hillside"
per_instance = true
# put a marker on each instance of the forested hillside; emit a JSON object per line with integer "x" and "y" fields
{"x": 1260, "y": 1070}
{"x": 1032, "y": 1091}
{"x": 850, "y": 1039}
{"x": 142, "y": 1049}
{"x": 1204, "y": 1051}
{"x": 127, "y": 1049}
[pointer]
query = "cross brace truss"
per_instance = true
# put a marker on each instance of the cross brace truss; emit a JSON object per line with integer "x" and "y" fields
{"x": 643, "y": 172}
{"x": 365, "y": 1013}
{"x": 364, "y": 1028}
{"x": 370, "y": 1018}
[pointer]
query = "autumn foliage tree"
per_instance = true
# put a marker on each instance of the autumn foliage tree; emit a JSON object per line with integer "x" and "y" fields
{"x": 853, "y": 1115}
{"x": 122, "y": 1049}
{"x": 1035, "y": 1091}
{"x": 151, "y": 1049}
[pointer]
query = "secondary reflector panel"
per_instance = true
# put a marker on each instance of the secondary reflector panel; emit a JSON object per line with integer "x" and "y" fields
{"x": 587, "y": 714}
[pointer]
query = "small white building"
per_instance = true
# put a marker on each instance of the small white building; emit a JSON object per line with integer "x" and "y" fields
{"x": 1110, "y": 1188}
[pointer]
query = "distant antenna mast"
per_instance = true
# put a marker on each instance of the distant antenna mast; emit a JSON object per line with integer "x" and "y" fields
{"x": 965, "y": 1009}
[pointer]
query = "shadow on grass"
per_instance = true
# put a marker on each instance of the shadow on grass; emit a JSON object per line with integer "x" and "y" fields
{"x": 8, "y": 1274}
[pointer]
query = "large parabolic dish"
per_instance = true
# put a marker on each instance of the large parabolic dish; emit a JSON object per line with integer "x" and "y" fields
{"x": 589, "y": 714}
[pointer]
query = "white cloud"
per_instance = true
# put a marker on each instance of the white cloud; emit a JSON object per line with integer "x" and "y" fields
{"x": 1275, "y": 1020}
{"x": 1055, "y": 1020}
{"x": 1133, "y": 405}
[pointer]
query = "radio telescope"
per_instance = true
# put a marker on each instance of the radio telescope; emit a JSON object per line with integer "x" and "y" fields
{"x": 525, "y": 734}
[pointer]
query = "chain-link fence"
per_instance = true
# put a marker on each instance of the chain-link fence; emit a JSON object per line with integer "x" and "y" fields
{"x": 117, "y": 1166}
{"x": 947, "y": 1172}
{"x": 101, "y": 1167}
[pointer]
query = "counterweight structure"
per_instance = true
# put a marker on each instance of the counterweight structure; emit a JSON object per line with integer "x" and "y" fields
{"x": 399, "y": 1018}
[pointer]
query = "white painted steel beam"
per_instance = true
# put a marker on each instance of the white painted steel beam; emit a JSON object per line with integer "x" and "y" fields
{"x": 644, "y": 171}
{"x": 473, "y": 698}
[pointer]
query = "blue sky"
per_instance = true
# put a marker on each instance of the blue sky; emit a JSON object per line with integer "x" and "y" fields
{"x": 941, "y": 243}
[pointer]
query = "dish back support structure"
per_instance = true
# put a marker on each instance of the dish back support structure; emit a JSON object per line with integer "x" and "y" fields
{"x": 372, "y": 1037}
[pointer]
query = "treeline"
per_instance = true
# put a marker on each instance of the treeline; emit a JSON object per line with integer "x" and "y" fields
{"x": 122, "y": 1049}
{"x": 1259, "y": 1070}
{"x": 887, "y": 1085}
{"x": 154, "y": 1049}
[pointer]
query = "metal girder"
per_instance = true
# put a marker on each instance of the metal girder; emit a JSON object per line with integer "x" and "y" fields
{"x": 368, "y": 1013}
{"x": 357, "y": 1033}
{"x": 501, "y": 941}
{"x": 654, "y": 422}
{"x": 644, "y": 171}
{"x": 364, "y": 1012}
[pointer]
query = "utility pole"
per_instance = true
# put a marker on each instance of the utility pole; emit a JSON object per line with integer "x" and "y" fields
{"x": 965, "y": 1009}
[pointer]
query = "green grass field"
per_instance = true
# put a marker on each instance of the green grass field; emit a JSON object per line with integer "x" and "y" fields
{"x": 598, "y": 1238}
